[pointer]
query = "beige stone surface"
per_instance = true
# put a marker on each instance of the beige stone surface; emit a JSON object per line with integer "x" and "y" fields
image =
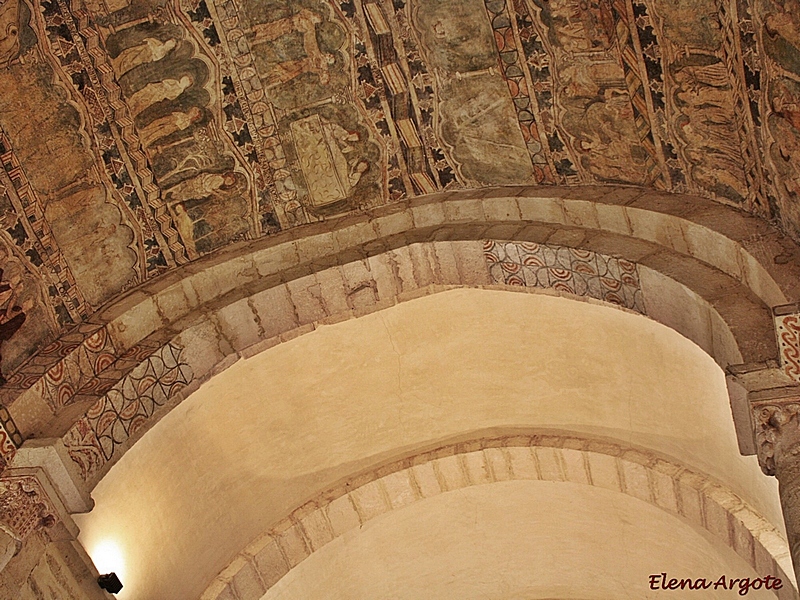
{"x": 272, "y": 431}
{"x": 516, "y": 540}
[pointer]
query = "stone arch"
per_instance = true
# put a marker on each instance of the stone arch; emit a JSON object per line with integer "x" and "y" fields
{"x": 544, "y": 456}
{"x": 150, "y": 349}
{"x": 256, "y": 323}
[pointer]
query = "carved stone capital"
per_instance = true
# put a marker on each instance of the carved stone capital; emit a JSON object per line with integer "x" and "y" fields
{"x": 25, "y": 505}
{"x": 777, "y": 433}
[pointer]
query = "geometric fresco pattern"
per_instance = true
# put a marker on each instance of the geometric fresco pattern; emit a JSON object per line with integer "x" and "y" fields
{"x": 570, "y": 270}
{"x": 123, "y": 411}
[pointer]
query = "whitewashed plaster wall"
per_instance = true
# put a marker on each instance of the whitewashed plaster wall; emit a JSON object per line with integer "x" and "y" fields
{"x": 272, "y": 431}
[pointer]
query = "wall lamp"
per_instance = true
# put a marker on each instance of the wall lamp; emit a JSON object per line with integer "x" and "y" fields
{"x": 110, "y": 583}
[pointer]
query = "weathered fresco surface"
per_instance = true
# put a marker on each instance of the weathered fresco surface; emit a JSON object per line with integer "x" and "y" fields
{"x": 139, "y": 135}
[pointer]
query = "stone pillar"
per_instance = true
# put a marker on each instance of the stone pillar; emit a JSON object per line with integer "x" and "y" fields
{"x": 777, "y": 428}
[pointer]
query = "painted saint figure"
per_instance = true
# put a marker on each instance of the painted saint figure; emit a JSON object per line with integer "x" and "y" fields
{"x": 150, "y": 50}
{"x": 202, "y": 186}
{"x": 9, "y": 31}
{"x": 708, "y": 125}
{"x": 169, "y": 124}
{"x": 169, "y": 89}
{"x": 315, "y": 60}
{"x": 12, "y": 316}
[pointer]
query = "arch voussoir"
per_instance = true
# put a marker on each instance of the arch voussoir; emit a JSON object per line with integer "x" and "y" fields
{"x": 249, "y": 298}
{"x": 689, "y": 495}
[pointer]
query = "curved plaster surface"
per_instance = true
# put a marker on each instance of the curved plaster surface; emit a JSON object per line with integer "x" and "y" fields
{"x": 270, "y": 432}
{"x": 707, "y": 247}
{"x": 694, "y": 498}
{"x": 515, "y": 540}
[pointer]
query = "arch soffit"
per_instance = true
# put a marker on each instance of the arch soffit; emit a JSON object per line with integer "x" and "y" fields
{"x": 704, "y": 503}
{"x": 158, "y": 344}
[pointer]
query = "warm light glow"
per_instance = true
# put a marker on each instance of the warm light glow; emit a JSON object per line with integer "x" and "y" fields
{"x": 108, "y": 558}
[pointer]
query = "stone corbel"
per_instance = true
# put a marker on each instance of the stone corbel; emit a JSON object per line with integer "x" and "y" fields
{"x": 776, "y": 419}
{"x": 25, "y": 504}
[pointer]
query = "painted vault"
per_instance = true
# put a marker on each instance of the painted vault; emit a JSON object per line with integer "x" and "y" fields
{"x": 136, "y": 137}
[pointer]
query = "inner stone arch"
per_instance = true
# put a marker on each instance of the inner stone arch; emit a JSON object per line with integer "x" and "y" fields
{"x": 277, "y": 428}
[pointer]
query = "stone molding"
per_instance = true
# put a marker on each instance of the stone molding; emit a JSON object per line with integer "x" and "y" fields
{"x": 690, "y": 495}
{"x": 235, "y": 303}
{"x": 697, "y": 242}
{"x": 114, "y": 422}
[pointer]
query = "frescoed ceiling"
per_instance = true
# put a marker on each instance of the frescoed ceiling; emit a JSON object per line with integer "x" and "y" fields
{"x": 138, "y": 136}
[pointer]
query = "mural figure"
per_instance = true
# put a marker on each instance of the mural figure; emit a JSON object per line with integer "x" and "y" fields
{"x": 315, "y": 61}
{"x": 9, "y": 31}
{"x": 301, "y": 54}
{"x": 202, "y": 209}
{"x": 327, "y": 158}
{"x": 592, "y": 89}
{"x": 150, "y": 50}
{"x": 168, "y": 89}
{"x": 581, "y": 27}
{"x": 164, "y": 126}
{"x": 12, "y": 315}
{"x": 787, "y": 106}
{"x": 785, "y": 125}
{"x": 707, "y": 125}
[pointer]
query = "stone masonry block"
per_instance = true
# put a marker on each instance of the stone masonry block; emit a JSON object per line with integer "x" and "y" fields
{"x": 498, "y": 464}
{"x": 342, "y": 515}
{"x": 549, "y": 464}
{"x": 637, "y": 483}
{"x": 369, "y": 500}
{"x": 603, "y": 469}
{"x": 276, "y": 314}
{"x": 270, "y": 562}
{"x": 450, "y": 472}
{"x": 317, "y": 529}
{"x": 426, "y": 480}
{"x": 575, "y": 465}
{"x": 292, "y": 545}
{"x": 477, "y": 470}
{"x": 523, "y": 463}
{"x": 399, "y": 488}
{"x": 247, "y": 583}
{"x": 501, "y": 209}
{"x": 306, "y": 296}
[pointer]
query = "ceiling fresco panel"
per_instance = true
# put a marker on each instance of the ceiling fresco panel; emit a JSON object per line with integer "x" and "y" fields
{"x": 776, "y": 41}
{"x": 597, "y": 94}
{"x": 394, "y": 60}
{"x": 457, "y": 40}
{"x": 177, "y": 127}
{"x": 704, "y": 100}
{"x": 51, "y": 174}
{"x": 293, "y": 66}
{"x": 173, "y": 100}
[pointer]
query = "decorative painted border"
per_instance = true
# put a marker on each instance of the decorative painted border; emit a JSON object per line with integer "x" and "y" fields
{"x": 787, "y": 328}
{"x": 126, "y": 409}
{"x": 570, "y": 270}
